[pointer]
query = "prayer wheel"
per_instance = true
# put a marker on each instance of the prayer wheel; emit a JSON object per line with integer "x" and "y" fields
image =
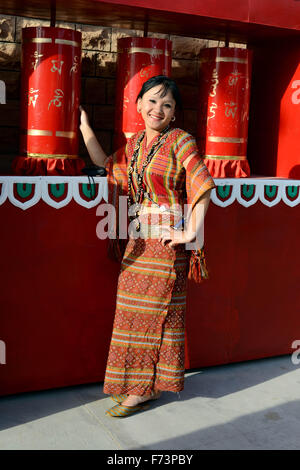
{"x": 139, "y": 59}
{"x": 223, "y": 115}
{"x": 288, "y": 161}
{"x": 50, "y": 98}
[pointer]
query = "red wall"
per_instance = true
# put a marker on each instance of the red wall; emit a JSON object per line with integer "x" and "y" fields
{"x": 249, "y": 307}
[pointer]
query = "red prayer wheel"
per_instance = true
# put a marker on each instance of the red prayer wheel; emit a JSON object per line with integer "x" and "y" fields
{"x": 50, "y": 98}
{"x": 223, "y": 116}
{"x": 138, "y": 60}
{"x": 288, "y": 161}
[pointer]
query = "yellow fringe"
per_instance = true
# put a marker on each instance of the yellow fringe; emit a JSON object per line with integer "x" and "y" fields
{"x": 198, "y": 271}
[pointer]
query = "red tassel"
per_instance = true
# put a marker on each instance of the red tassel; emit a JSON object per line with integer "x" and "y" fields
{"x": 197, "y": 268}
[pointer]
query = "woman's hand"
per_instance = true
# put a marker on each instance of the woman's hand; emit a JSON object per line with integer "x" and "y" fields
{"x": 84, "y": 120}
{"x": 194, "y": 227}
{"x": 172, "y": 238}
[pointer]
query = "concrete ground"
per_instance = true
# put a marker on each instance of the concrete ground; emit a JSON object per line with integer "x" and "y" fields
{"x": 248, "y": 405}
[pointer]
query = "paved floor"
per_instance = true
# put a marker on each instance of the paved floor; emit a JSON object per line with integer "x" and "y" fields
{"x": 249, "y": 405}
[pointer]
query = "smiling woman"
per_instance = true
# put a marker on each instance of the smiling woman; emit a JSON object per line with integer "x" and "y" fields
{"x": 157, "y": 169}
{"x": 156, "y": 102}
{"x": 157, "y": 109}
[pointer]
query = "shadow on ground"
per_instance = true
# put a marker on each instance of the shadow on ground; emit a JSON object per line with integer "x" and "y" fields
{"x": 211, "y": 382}
{"x": 274, "y": 428}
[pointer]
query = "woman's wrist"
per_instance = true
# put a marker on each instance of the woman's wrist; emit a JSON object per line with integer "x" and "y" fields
{"x": 189, "y": 236}
{"x": 85, "y": 127}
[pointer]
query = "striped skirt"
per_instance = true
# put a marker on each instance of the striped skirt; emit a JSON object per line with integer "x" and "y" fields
{"x": 147, "y": 345}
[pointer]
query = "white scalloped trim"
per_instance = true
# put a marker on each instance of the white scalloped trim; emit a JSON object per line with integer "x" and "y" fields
{"x": 51, "y": 202}
{"x": 4, "y": 192}
{"x": 41, "y": 191}
{"x": 31, "y": 202}
{"x": 259, "y": 184}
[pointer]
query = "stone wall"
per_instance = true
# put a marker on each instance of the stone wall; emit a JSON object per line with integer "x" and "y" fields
{"x": 99, "y": 55}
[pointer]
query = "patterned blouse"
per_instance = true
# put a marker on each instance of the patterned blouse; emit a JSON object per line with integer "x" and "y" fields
{"x": 166, "y": 180}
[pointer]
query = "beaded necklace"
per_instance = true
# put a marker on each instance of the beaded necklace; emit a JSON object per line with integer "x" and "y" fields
{"x": 134, "y": 168}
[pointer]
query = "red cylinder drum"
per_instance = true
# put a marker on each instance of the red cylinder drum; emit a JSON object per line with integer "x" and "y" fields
{"x": 138, "y": 60}
{"x": 50, "y": 98}
{"x": 222, "y": 133}
{"x": 288, "y": 160}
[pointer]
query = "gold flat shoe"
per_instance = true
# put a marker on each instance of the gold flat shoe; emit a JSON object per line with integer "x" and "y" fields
{"x": 121, "y": 411}
{"x": 120, "y": 398}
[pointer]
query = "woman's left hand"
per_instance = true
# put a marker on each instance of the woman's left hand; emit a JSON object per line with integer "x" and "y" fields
{"x": 173, "y": 237}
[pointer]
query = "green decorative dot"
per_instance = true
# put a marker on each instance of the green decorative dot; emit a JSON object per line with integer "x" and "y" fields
{"x": 248, "y": 190}
{"x": 224, "y": 191}
{"x": 89, "y": 190}
{"x": 57, "y": 190}
{"x": 24, "y": 190}
{"x": 292, "y": 191}
{"x": 270, "y": 190}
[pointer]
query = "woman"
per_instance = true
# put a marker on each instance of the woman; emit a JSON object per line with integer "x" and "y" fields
{"x": 157, "y": 169}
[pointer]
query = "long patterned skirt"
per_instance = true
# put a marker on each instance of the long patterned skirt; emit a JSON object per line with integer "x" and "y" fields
{"x": 147, "y": 345}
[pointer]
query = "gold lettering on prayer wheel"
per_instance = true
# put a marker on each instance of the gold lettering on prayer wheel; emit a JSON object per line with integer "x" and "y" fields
{"x": 224, "y": 97}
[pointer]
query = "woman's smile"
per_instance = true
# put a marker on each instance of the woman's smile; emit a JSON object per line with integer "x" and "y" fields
{"x": 156, "y": 118}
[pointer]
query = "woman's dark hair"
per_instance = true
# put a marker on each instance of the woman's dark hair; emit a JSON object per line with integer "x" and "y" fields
{"x": 167, "y": 83}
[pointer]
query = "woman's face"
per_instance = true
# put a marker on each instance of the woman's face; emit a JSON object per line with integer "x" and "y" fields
{"x": 157, "y": 111}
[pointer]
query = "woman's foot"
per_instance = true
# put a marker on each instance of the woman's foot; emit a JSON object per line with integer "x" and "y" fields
{"x": 133, "y": 400}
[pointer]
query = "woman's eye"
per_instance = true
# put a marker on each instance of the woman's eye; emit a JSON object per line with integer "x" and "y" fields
{"x": 168, "y": 105}
{"x": 152, "y": 101}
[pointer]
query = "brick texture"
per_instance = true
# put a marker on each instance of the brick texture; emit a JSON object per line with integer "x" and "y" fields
{"x": 95, "y": 37}
{"x": 7, "y": 28}
{"x": 98, "y": 88}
